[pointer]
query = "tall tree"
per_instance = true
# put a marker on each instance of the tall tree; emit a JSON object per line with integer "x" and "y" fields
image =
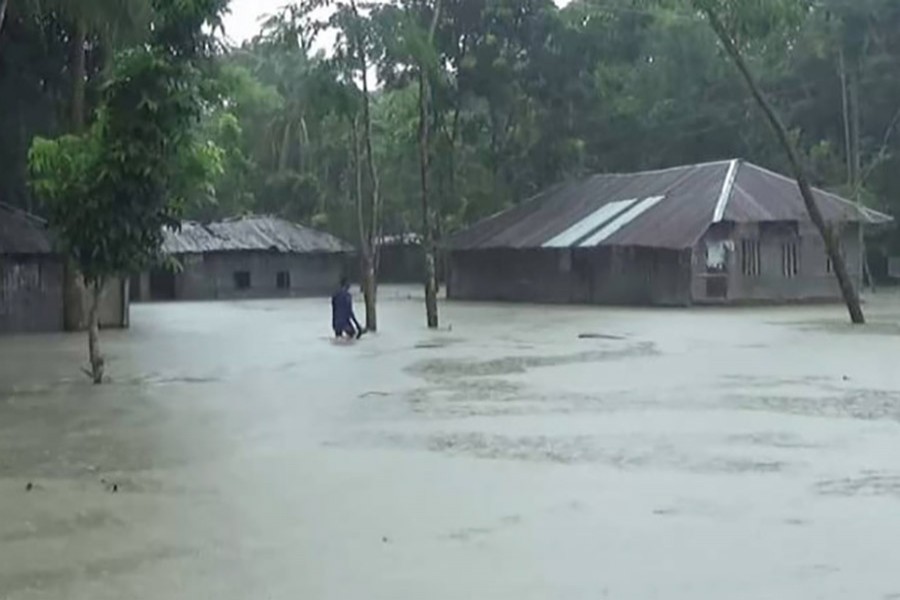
{"x": 427, "y": 65}
{"x": 413, "y": 26}
{"x": 731, "y": 21}
{"x": 356, "y": 43}
{"x": 112, "y": 190}
{"x": 93, "y": 31}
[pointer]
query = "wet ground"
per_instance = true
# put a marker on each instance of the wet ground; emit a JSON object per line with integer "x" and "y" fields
{"x": 524, "y": 453}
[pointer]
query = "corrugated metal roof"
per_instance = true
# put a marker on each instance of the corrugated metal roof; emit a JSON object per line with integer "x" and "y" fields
{"x": 670, "y": 208}
{"x": 762, "y": 195}
{"x": 23, "y": 233}
{"x": 252, "y": 233}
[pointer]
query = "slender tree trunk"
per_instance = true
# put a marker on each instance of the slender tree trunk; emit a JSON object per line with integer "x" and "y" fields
{"x": 856, "y": 124}
{"x": 366, "y": 256}
{"x": 845, "y": 102}
{"x": 370, "y": 292}
{"x": 303, "y": 135}
{"x": 431, "y": 307}
{"x": 848, "y": 289}
{"x": 74, "y": 295}
{"x": 370, "y": 281}
{"x": 285, "y": 152}
{"x": 3, "y": 5}
{"x": 97, "y": 361}
{"x": 370, "y": 234}
{"x": 79, "y": 76}
{"x": 428, "y": 243}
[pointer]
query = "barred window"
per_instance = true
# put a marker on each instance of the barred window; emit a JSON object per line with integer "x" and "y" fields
{"x": 790, "y": 260}
{"x": 750, "y": 258}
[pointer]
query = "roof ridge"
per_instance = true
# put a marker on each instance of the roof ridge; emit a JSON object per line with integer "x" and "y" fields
{"x": 668, "y": 169}
{"x": 727, "y": 190}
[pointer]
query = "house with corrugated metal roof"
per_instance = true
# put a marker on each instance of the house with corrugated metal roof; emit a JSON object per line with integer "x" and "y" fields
{"x": 713, "y": 233}
{"x": 33, "y": 285}
{"x": 31, "y": 277}
{"x": 245, "y": 257}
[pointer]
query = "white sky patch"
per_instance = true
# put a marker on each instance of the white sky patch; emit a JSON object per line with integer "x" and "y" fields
{"x": 244, "y": 21}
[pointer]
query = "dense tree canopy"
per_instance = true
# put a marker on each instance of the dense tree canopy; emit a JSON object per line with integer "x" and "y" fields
{"x": 523, "y": 94}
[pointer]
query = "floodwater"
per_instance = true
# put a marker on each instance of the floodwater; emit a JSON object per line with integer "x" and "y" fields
{"x": 523, "y": 452}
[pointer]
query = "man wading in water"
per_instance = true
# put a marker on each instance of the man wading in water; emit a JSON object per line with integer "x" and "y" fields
{"x": 342, "y": 318}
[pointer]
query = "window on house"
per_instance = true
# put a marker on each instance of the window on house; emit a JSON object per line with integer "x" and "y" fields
{"x": 790, "y": 260}
{"x": 242, "y": 280}
{"x": 283, "y": 280}
{"x": 750, "y": 258}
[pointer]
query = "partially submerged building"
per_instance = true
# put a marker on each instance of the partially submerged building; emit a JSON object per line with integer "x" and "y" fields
{"x": 33, "y": 284}
{"x": 31, "y": 275}
{"x": 247, "y": 257}
{"x": 723, "y": 232}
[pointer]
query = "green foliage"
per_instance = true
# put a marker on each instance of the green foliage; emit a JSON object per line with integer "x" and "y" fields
{"x": 111, "y": 191}
{"x": 524, "y": 95}
{"x": 748, "y": 20}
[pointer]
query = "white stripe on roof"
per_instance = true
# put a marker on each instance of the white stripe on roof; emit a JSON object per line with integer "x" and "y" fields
{"x": 588, "y": 224}
{"x": 630, "y": 215}
{"x": 727, "y": 189}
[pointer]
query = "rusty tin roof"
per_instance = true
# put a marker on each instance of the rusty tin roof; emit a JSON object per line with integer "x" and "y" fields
{"x": 669, "y": 208}
{"x": 23, "y": 233}
{"x": 251, "y": 233}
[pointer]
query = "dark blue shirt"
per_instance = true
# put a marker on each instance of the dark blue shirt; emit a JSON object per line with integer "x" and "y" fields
{"x": 342, "y": 309}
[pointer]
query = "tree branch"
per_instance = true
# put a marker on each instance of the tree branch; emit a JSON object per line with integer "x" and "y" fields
{"x": 848, "y": 290}
{"x": 883, "y": 152}
{"x": 3, "y": 5}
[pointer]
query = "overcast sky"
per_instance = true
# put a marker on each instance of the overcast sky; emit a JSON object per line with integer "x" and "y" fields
{"x": 243, "y": 22}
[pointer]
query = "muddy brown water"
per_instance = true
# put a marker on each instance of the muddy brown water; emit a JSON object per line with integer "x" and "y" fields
{"x": 237, "y": 453}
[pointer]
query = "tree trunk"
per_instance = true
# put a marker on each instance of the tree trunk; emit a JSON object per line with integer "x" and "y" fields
{"x": 431, "y": 307}
{"x": 97, "y": 362}
{"x": 845, "y": 105}
{"x": 73, "y": 298}
{"x": 3, "y": 5}
{"x": 79, "y": 76}
{"x": 74, "y": 291}
{"x": 370, "y": 291}
{"x": 284, "y": 153}
{"x": 848, "y": 289}
{"x": 428, "y": 245}
{"x": 374, "y": 232}
{"x": 856, "y": 123}
{"x": 370, "y": 234}
{"x": 367, "y": 257}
